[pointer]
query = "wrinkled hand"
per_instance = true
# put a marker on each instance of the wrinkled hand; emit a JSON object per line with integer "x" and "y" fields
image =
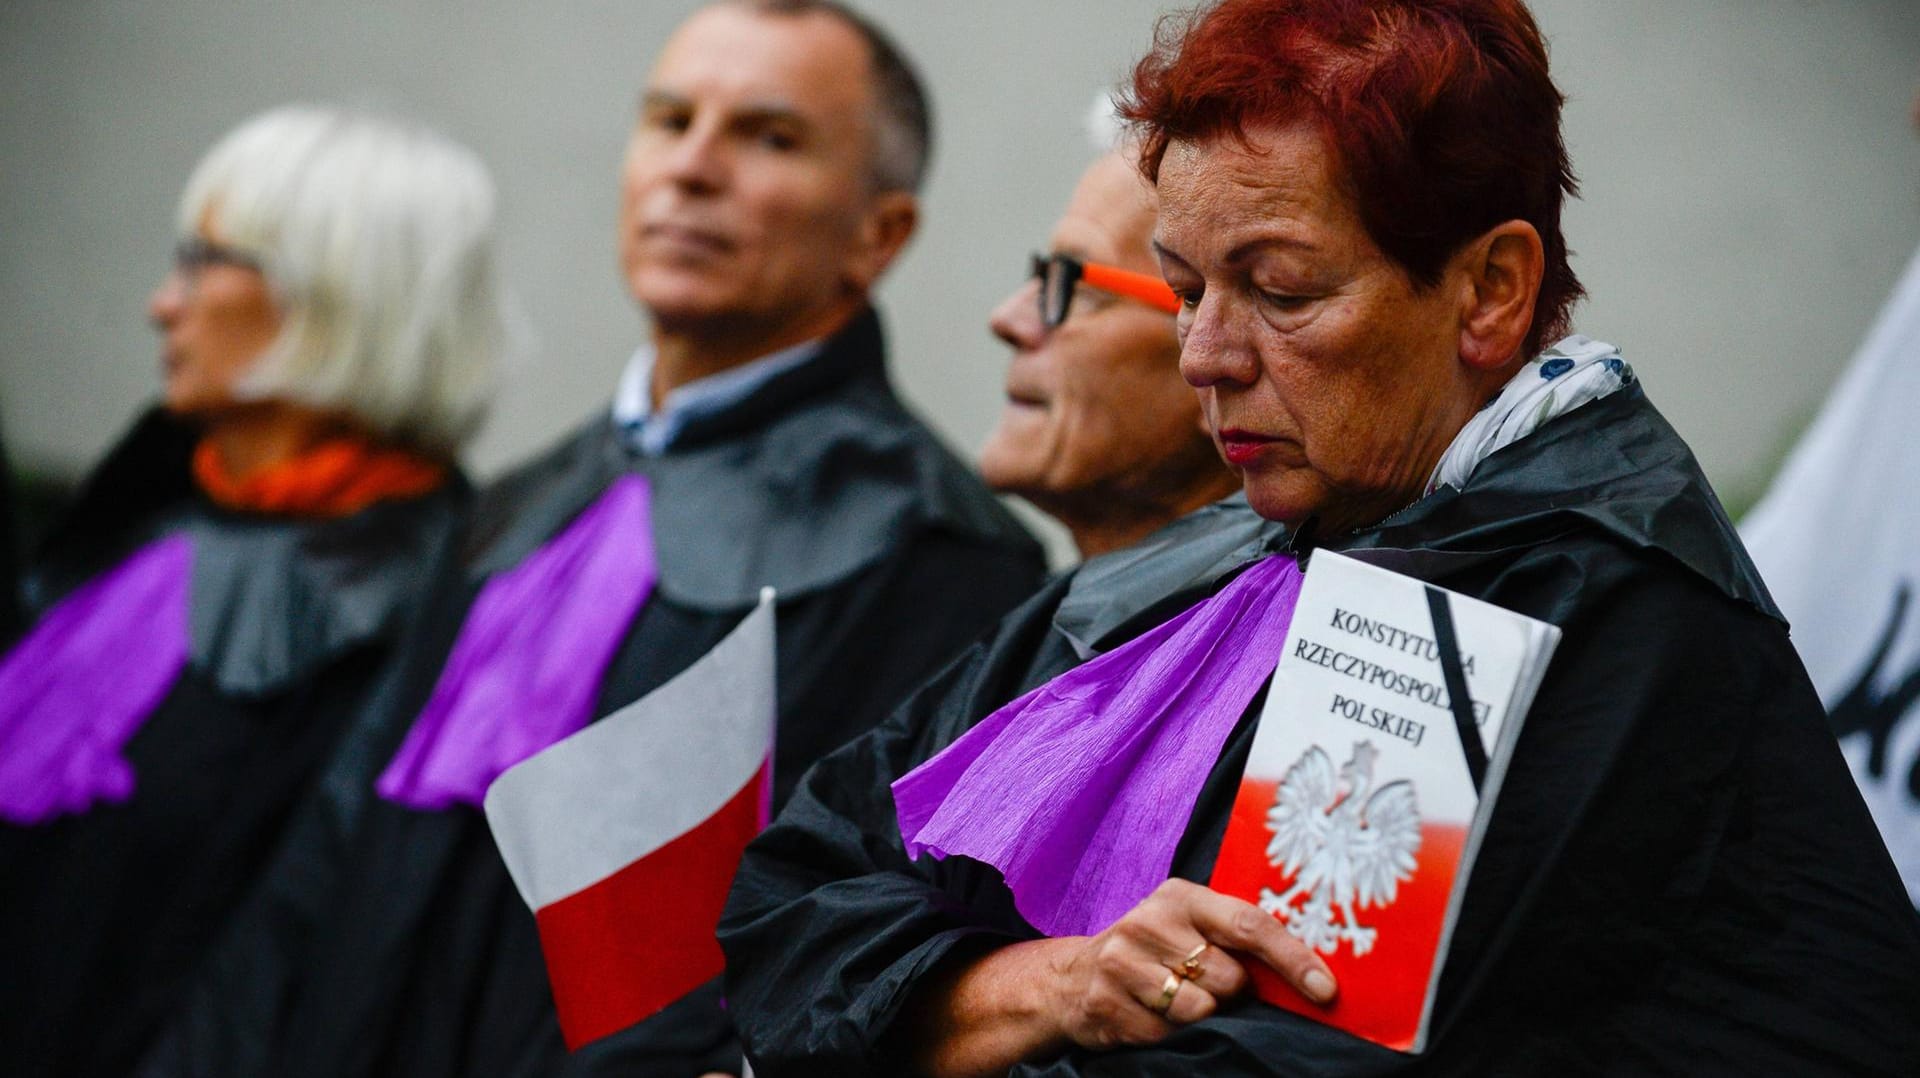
{"x": 1111, "y": 988}
{"x": 1034, "y": 999}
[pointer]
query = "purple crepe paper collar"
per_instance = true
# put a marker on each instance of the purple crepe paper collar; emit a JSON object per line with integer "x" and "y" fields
{"x": 527, "y": 664}
{"x": 79, "y": 686}
{"x": 1079, "y": 791}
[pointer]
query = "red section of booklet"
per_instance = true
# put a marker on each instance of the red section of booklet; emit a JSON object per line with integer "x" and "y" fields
{"x": 1380, "y": 992}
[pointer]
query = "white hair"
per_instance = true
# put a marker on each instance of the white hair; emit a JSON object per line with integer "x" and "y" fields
{"x": 1107, "y": 130}
{"x": 377, "y": 239}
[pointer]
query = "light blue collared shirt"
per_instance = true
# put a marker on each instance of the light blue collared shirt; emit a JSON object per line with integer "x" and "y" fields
{"x": 652, "y": 433}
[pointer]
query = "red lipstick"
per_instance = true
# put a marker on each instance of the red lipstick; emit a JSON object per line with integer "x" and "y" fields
{"x": 1240, "y": 446}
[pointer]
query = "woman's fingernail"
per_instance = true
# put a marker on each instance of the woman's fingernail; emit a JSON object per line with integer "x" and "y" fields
{"x": 1319, "y": 986}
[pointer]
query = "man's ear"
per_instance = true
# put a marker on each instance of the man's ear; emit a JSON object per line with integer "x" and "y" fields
{"x": 884, "y": 232}
{"x": 1502, "y": 270}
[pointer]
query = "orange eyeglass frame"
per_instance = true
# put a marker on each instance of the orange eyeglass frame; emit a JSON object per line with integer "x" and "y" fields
{"x": 1059, "y": 273}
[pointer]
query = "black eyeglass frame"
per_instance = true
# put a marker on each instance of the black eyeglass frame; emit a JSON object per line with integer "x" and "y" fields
{"x": 192, "y": 255}
{"x": 1059, "y": 277}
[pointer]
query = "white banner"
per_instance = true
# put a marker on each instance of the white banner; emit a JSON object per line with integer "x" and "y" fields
{"x": 1838, "y": 540}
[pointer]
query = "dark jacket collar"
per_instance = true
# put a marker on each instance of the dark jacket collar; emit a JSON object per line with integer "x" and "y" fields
{"x": 814, "y": 477}
{"x": 1122, "y": 588}
{"x": 854, "y": 353}
{"x": 272, "y": 598}
{"x": 1614, "y": 466}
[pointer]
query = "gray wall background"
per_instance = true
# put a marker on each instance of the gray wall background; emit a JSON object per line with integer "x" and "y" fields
{"x": 1750, "y": 172}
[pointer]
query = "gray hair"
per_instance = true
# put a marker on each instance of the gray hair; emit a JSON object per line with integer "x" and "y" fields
{"x": 903, "y": 127}
{"x": 377, "y": 239}
{"x": 1107, "y": 130}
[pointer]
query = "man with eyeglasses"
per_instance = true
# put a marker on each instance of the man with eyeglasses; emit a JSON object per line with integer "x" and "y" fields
{"x": 769, "y": 181}
{"x": 1099, "y": 430}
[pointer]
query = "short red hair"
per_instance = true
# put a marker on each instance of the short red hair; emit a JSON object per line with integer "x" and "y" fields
{"x": 1440, "y": 114}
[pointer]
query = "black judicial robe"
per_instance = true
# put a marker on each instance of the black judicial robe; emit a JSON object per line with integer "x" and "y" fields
{"x": 105, "y": 914}
{"x": 401, "y": 945}
{"x": 1680, "y": 877}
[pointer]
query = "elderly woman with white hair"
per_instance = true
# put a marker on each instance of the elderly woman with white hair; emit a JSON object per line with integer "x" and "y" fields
{"x": 229, "y": 585}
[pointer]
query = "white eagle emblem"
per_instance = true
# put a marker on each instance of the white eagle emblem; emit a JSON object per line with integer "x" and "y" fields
{"x": 1337, "y": 852}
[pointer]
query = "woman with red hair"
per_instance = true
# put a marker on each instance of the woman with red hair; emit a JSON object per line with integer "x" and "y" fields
{"x": 1360, "y": 212}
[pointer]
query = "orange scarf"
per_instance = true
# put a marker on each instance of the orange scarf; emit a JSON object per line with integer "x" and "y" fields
{"x": 334, "y": 479}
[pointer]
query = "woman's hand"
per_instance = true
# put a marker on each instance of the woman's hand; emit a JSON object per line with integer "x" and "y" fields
{"x": 1134, "y": 982}
{"x": 1169, "y": 962}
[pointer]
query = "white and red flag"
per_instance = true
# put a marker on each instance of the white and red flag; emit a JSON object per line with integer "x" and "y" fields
{"x": 624, "y": 837}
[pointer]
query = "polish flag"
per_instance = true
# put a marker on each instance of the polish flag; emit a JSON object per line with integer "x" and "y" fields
{"x": 623, "y": 838}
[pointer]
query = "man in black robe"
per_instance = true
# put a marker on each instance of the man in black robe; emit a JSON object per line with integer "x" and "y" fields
{"x": 1679, "y": 877}
{"x": 764, "y": 192}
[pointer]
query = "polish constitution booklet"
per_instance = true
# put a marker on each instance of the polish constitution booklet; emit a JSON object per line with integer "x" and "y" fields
{"x": 1373, "y": 772}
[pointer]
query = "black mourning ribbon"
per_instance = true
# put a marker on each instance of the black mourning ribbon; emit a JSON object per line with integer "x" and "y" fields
{"x": 1449, "y": 648}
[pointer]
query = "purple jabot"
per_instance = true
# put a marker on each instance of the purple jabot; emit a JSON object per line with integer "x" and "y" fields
{"x": 77, "y": 688}
{"x": 528, "y": 662}
{"x": 1079, "y": 791}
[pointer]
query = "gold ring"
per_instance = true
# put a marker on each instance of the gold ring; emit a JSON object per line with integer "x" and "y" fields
{"x": 1167, "y": 991}
{"x": 1190, "y": 966}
